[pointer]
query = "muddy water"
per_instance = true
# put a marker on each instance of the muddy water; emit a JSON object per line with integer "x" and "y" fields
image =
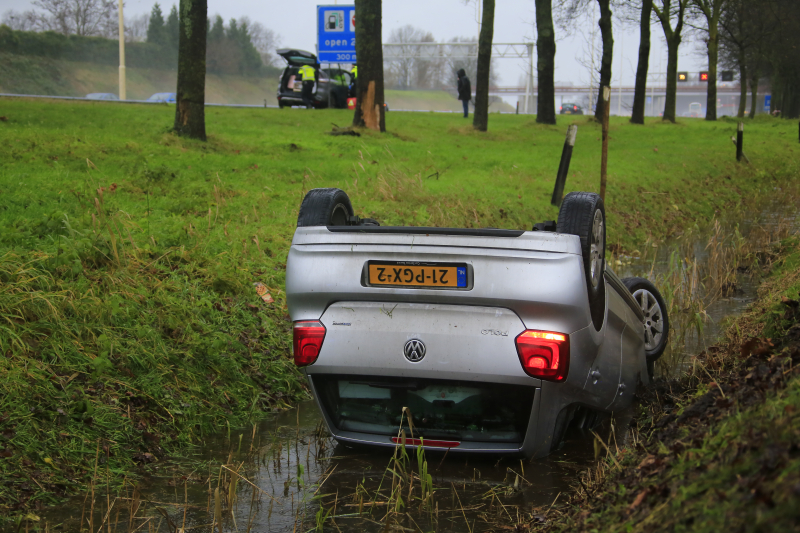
{"x": 291, "y": 476}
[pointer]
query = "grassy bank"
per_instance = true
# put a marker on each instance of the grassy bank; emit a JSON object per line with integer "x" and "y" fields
{"x": 128, "y": 317}
{"x": 718, "y": 449}
{"x": 44, "y": 76}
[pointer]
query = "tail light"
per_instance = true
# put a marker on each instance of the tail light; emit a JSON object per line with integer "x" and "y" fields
{"x": 308, "y": 336}
{"x": 560, "y": 107}
{"x": 575, "y": 107}
{"x": 544, "y": 354}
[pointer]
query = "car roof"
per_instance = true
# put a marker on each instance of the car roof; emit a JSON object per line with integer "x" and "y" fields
{"x": 295, "y": 57}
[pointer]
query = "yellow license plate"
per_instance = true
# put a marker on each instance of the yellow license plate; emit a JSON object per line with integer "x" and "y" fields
{"x": 407, "y": 274}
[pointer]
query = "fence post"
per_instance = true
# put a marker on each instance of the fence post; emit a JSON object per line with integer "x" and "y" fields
{"x": 604, "y": 158}
{"x": 517, "y": 113}
{"x": 739, "y": 141}
{"x": 563, "y": 166}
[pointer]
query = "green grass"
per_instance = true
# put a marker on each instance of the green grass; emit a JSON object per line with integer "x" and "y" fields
{"x": 128, "y": 318}
{"x": 712, "y": 462}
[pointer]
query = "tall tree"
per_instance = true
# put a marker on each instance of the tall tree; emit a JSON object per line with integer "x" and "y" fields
{"x": 667, "y": 11}
{"x": 190, "y": 96}
{"x": 711, "y": 10}
{"x": 480, "y": 120}
{"x": 608, "y": 54}
{"x": 171, "y": 28}
{"x": 369, "y": 108}
{"x": 640, "y": 90}
{"x": 155, "y": 26}
{"x": 546, "y": 62}
{"x": 736, "y": 41}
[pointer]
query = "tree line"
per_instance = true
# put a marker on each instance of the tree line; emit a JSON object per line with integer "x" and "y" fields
{"x": 239, "y": 47}
{"x": 759, "y": 39}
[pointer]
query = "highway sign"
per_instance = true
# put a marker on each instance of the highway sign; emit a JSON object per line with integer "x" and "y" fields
{"x": 767, "y": 103}
{"x": 683, "y": 76}
{"x": 336, "y": 34}
{"x": 703, "y": 76}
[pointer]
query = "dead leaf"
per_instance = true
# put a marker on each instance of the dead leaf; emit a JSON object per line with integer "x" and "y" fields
{"x": 639, "y": 499}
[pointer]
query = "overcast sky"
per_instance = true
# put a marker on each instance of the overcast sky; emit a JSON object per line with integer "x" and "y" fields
{"x": 295, "y": 22}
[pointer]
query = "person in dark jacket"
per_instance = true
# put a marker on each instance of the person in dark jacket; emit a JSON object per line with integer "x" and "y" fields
{"x": 464, "y": 91}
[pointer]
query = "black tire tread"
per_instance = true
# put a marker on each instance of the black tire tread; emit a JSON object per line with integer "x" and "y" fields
{"x": 317, "y": 205}
{"x": 575, "y": 217}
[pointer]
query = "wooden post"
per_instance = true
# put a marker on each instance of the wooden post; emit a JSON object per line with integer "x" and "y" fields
{"x": 604, "y": 158}
{"x": 563, "y": 167}
{"x": 739, "y": 141}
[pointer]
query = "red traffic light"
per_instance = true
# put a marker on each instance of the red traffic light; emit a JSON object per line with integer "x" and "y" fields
{"x": 704, "y": 76}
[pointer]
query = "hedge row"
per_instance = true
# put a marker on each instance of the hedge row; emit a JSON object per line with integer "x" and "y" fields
{"x": 90, "y": 49}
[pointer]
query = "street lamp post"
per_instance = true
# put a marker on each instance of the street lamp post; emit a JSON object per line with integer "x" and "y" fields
{"x": 122, "y": 95}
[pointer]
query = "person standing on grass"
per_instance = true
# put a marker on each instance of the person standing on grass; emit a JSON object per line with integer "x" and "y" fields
{"x": 308, "y": 73}
{"x": 464, "y": 91}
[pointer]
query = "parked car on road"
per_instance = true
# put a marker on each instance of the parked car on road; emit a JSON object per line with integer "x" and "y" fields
{"x": 570, "y": 109}
{"x": 330, "y": 89}
{"x": 168, "y": 98}
{"x": 489, "y": 340}
{"x": 102, "y": 96}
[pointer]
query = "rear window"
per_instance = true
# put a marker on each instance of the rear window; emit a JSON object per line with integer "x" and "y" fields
{"x": 441, "y": 409}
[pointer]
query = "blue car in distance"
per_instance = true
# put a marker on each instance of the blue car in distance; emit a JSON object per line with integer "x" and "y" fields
{"x": 101, "y": 96}
{"x": 168, "y": 98}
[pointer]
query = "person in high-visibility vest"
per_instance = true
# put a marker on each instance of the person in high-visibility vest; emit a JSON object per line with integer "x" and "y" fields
{"x": 308, "y": 74}
{"x": 353, "y": 80}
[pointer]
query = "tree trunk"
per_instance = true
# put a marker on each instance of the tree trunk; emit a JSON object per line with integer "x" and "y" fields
{"x": 640, "y": 91}
{"x": 190, "y": 97}
{"x": 546, "y": 63}
{"x": 480, "y": 120}
{"x": 713, "y": 54}
{"x": 670, "y": 101}
{"x": 742, "y": 84}
{"x": 754, "y": 95}
{"x": 369, "y": 108}
{"x": 607, "y": 35}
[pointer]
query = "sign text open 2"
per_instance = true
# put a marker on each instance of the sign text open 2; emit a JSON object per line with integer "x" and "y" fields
{"x": 336, "y": 34}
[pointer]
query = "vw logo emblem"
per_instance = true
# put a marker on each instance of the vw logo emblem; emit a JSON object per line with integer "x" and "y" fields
{"x": 414, "y": 350}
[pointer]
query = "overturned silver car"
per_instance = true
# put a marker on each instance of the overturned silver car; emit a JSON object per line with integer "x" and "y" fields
{"x": 495, "y": 340}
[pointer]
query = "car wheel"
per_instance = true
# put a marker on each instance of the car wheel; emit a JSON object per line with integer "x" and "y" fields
{"x": 325, "y": 207}
{"x": 583, "y": 214}
{"x": 656, "y": 321}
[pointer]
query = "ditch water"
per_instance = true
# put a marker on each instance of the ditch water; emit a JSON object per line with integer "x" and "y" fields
{"x": 287, "y": 474}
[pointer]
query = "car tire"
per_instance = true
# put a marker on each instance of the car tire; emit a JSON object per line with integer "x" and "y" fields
{"x": 325, "y": 207}
{"x": 583, "y": 214}
{"x": 656, "y": 321}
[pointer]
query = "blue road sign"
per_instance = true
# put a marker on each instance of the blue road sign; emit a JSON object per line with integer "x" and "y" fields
{"x": 336, "y": 34}
{"x": 767, "y": 103}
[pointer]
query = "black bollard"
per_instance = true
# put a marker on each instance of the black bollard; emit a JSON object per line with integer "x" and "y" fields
{"x": 563, "y": 166}
{"x": 739, "y": 141}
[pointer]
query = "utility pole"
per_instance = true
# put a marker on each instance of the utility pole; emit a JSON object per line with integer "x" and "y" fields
{"x": 122, "y": 95}
{"x": 621, "y": 55}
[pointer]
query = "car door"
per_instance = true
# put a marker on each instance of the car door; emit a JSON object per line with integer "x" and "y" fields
{"x": 604, "y": 374}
